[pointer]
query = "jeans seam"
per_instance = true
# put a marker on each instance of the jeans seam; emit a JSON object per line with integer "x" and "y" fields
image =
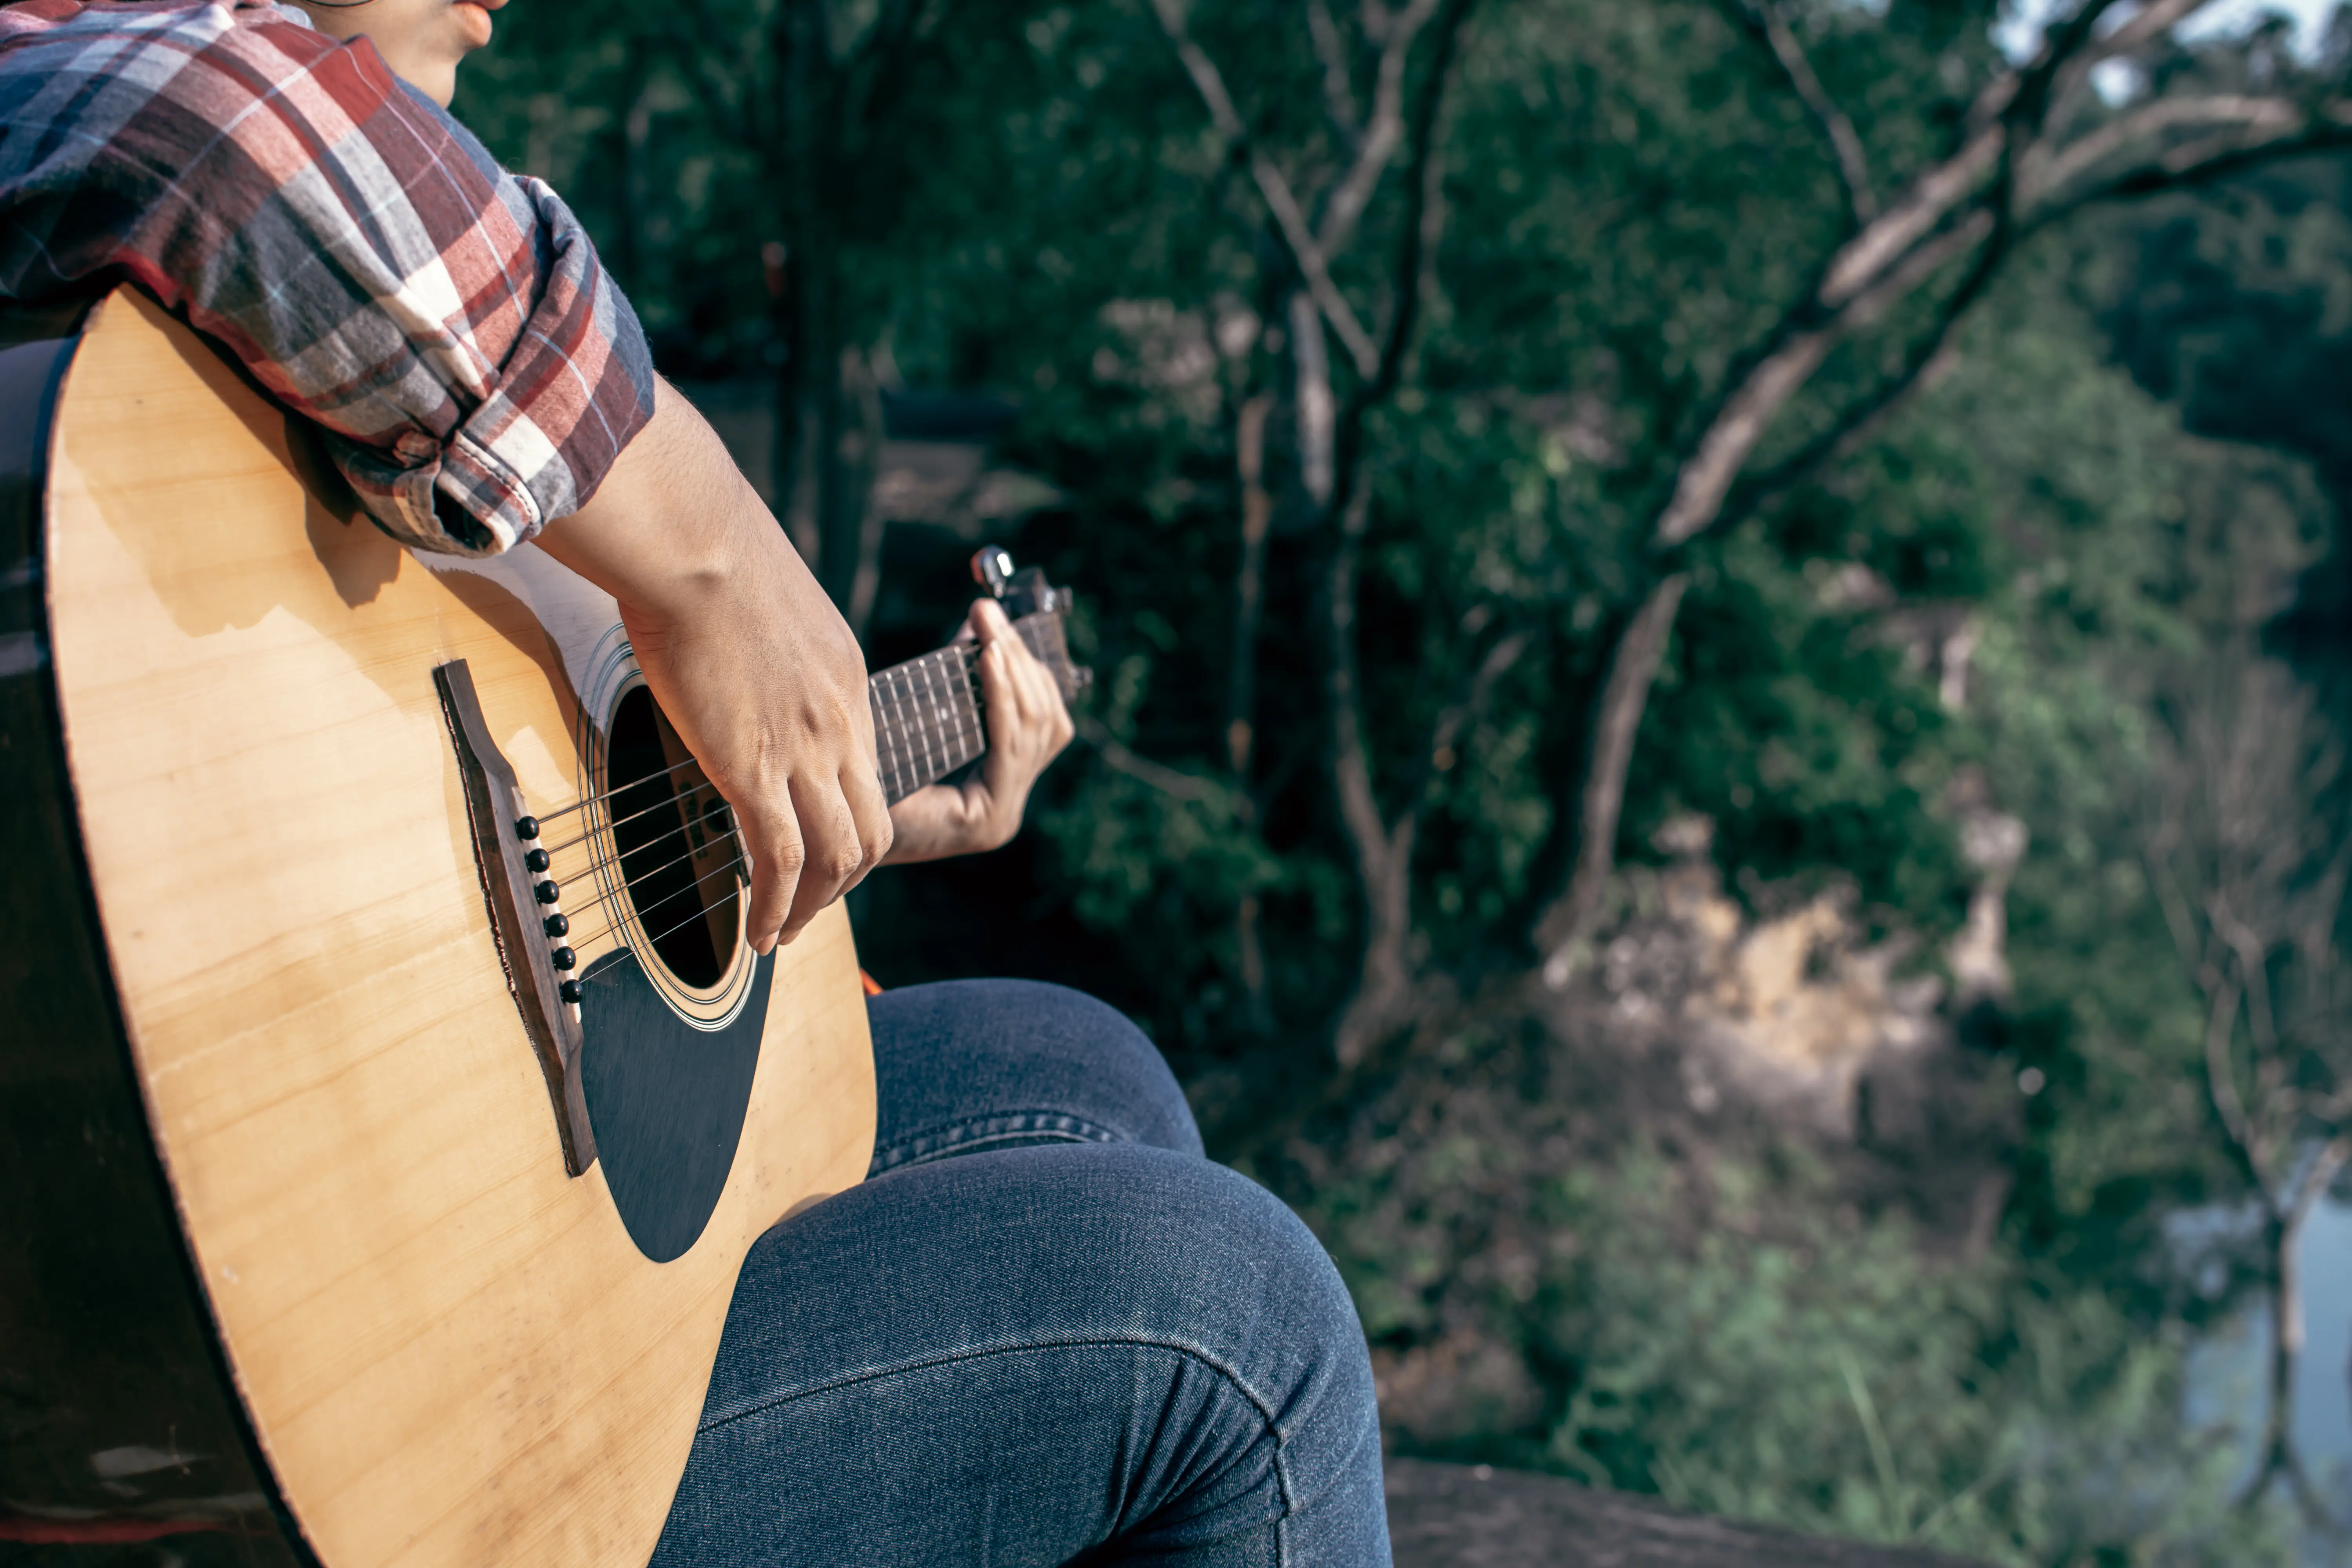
{"x": 948, "y": 1138}
{"x": 1257, "y": 1402}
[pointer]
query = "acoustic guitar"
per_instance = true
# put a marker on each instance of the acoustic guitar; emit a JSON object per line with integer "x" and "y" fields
{"x": 387, "y": 1095}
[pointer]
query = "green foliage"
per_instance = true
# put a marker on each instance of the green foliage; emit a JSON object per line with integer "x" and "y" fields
{"x": 1729, "y": 1337}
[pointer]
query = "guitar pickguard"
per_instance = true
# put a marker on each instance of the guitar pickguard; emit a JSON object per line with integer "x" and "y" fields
{"x": 667, "y": 1099}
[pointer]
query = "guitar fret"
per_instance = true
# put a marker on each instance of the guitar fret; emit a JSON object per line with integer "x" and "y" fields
{"x": 953, "y": 735}
{"x": 959, "y": 706}
{"x": 911, "y": 720}
{"x": 933, "y": 738}
{"x": 957, "y": 700}
{"x": 893, "y": 691}
{"x": 928, "y": 711}
{"x": 937, "y": 733}
{"x": 973, "y": 737}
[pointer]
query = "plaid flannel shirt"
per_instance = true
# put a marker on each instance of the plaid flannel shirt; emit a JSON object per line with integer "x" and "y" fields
{"x": 445, "y": 323}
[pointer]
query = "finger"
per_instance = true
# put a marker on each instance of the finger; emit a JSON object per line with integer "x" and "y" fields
{"x": 834, "y": 854}
{"x": 989, "y": 622}
{"x": 772, "y": 839}
{"x": 1043, "y": 692}
{"x": 1003, "y": 633}
{"x": 1042, "y": 717}
{"x": 875, "y": 827}
{"x": 1000, "y": 691}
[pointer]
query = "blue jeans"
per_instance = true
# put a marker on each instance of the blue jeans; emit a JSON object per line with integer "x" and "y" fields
{"x": 1045, "y": 1330}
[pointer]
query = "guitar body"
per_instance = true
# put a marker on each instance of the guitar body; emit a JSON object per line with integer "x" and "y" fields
{"x": 446, "y": 1347}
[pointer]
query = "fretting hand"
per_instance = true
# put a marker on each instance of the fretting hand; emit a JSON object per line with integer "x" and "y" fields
{"x": 1027, "y": 727}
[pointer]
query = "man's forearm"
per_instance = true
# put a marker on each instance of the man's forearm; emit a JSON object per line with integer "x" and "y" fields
{"x": 672, "y": 520}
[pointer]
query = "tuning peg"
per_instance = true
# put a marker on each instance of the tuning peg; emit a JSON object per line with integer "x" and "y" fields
{"x": 991, "y": 568}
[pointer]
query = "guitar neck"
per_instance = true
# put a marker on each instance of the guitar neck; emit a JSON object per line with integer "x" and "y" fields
{"x": 928, "y": 712}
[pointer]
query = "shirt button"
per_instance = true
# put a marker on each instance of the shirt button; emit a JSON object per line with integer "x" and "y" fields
{"x": 415, "y": 447}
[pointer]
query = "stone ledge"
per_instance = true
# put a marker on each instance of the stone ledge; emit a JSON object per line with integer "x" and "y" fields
{"x": 1464, "y": 1516}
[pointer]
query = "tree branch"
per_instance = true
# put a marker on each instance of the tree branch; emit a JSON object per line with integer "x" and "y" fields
{"x": 1858, "y": 418}
{"x": 1417, "y": 242}
{"x": 1764, "y": 21}
{"x": 1158, "y": 775}
{"x": 2221, "y": 1083}
{"x": 1705, "y": 479}
{"x": 2146, "y": 24}
{"x": 1276, "y": 190}
{"x": 1249, "y": 580}
{"x": 1382, "y": 131}
{"x": 1864, "y": 258}
{"x": 2205, "y": 161}
{"x": 1339, "y": 88}
{"x": 1384, "y": 859}
{"x": 2043, "y": 172}
{"x": 1444, "y": 735}
{"x": 2068, "y": 49}
{"x": 2010, "y": 110}
{"x": 2317, "y": 1178}
{"x": 1351, "y": 768}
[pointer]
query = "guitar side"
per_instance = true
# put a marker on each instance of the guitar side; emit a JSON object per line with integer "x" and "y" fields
{"x": 451, "y": 1352}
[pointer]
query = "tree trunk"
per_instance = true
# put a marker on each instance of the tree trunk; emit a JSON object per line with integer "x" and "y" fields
{"x": 1241, "y": 686}
{"x": 808, "y": 398}
{"x": 856, "y": 468}
{"x": 636, "y": 136}
{"x": 808, "y": 383}
{"x": 2282, "y": 1236}
{"x": 1249, "y": 582}
{"x": 1601, "y": 797}
{"x": 2276, "y": 1449}
{"x": 1383, "y": 859}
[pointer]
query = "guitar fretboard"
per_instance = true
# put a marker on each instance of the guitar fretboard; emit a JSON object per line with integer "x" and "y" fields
{"x": 927, "y": 722}
{"x": 926, "y": 719}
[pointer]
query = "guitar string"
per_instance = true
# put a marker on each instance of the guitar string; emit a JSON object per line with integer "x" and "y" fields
{"x": 619, "y": 922}
{"x": 967, "y": 728}
{"x": 703, "y": 914}
{"x": 629, "y": 884}
{"x": 641, "y": 811}
{"x": 585, "y": 802}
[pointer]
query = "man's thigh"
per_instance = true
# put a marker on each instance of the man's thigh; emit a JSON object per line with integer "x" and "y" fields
{"x": 1018, "y": 1356}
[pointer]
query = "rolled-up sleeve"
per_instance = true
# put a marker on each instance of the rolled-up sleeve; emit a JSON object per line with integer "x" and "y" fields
{"x": 445, "y": 323}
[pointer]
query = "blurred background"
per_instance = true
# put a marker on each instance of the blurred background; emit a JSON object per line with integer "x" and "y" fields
{"x": 1720, "y": 742}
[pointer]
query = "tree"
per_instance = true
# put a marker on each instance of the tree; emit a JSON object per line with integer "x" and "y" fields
{"x": 1330, "y": 437}
{"x": 2249, "y": 860}
{"x": 2033, "y": 145}
{"x": 810, "y": 87}
{"x": 2029, "y": 152}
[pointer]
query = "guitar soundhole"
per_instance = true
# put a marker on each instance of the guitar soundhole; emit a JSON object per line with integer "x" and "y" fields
{"x": 676, "y": 844}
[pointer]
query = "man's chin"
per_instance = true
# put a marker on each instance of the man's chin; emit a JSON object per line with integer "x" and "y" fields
{"x": 473, "y": 23}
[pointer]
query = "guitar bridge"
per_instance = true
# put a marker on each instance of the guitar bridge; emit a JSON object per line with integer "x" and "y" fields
{"x": 494, "y": 806}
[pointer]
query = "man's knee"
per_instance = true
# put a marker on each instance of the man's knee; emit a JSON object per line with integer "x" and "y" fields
{"x": 966, "y": 1050}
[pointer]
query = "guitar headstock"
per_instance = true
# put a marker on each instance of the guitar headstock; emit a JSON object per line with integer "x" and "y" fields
{"x": 1036, "y": 609}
